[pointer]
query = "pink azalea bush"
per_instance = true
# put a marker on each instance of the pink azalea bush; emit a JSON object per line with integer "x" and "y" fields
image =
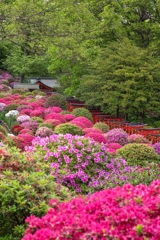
{"x": 78, "y": 124}
{"x": 127, "y": 212}
{"x": 31, "y": 125}
{"x": 56, "y": 116}
{"x": 86, "y": 122}
{"x": 23, "y": 118}
{"x": 2, "y": 106}
{"x": 112, "y": 147}
{"x": 35, "y": 105}
{"x": 39, "y": 112}
{"x": 26, "y": 111}
{"x": 137, "y": 138}
{"x": 117, "y": 135}
{"x": 53, "y": 110}
{"x": 98, "y": 137}
{"x": 24, "y": 131}
{"x": 69, "y": 117}
{"x": 92, "y": 130}
{"x": 23, "y": 140}
{"x": 53, "y": 122}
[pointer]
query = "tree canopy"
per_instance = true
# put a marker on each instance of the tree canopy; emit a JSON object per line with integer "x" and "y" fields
{"x": 104, "y": 52}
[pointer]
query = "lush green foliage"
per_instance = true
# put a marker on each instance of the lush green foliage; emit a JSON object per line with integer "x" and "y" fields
{"x": 137, "y": 154}
{"x": 56, "y": 99}
{"x": 23, "y": 194}
{"x": 68, "y": 128}
{"x": 78, "y": 112}
{"x": 101, "y": 126}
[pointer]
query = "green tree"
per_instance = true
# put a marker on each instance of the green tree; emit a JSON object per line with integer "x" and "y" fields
{"x": 125, "y": 77}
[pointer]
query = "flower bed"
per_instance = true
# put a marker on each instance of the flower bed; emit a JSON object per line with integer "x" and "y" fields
{"x": 121, "y": 213}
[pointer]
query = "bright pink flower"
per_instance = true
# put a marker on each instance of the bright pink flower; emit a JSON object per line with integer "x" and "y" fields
{"x": 98, "y": 137}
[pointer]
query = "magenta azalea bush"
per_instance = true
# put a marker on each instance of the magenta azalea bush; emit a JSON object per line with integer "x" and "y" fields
{"x": 126, "y": 212}
{"x": 26, "y": 111}
{"x": 112, "y": 147}
{"x": 98, "y": 137}
{"x": 91, "y": 130}
{"x": 117, "y": 135}
{"x": 53, "y": 110}
{"x": 78, "y": 124}
{"x": 23, "y": 140}
{"x": 56, "y": 116}
{"x": 86, "y": 122}
{"x": 69, "y": 117}
{"x": 39, "y": 112}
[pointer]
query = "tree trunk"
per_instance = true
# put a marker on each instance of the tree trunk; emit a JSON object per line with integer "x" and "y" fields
{"x": 22, "y": 78}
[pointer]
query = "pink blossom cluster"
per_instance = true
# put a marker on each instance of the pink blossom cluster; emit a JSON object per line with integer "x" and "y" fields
{"x": 69, "y": 117}
{"x": 23, "y": 118}
{"x": 31, "y": 125}
{"x": 127, "y": 212}
{"x": 112, "y": 147}
{"x": 35, "y": 105}
{"x": 15, "y": 99}
{"x": 23, "y": 140}
{"x": 85, "y": 121}
{"x": 2, "y": 107}
{"x": 98, "y": 137}
{"x": 52, "y": 122}
{"x": 38, "y": 112}
{"x": 91, "y": 130}
{"x": 53, "y": 110}
{"x": 78, "y": 124}
{"x": 56, "y": 116}
{"x": 137, "y": 138}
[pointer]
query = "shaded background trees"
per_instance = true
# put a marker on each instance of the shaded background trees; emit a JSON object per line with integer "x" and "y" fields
{"x": 104, "y": 52}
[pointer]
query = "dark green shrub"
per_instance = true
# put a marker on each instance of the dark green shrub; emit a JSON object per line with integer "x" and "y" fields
{"x": 56, "y": 99}
{"x": 137, "y": 154}
{"x": 37, "y": 119}
{"x": 51, "y": 126}
{"x": 65, "y": 112}
{"x": 12, "y": 106}
{"x": 28, "y": 94}
{"x": 82, "y": 112}
{"x": 38, "y": 92}
{"x": 101, "y": 126}
{"x": 24, "y": 194}
{"x": 19, "y": 91}
{"x": 68, "y": 128}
